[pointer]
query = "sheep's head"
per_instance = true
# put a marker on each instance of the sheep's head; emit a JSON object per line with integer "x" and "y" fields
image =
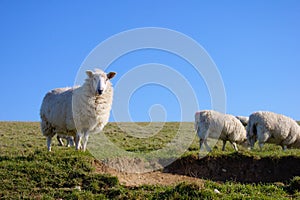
{"x": 245, "y": 143}
{"x": 99, "y": 80}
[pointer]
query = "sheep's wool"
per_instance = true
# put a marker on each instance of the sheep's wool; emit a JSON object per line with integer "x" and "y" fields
{"x": 213, "y": 124}
{"x": 68, "y": 111}
{"x": 269, "y": 127}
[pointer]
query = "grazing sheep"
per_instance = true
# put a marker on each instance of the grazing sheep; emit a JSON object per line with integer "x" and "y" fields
{"x": 78, "y": 111}
{"x": 243, "y": 119}
{"x": 213, "y": 124}
{"x": 269, "y": 127}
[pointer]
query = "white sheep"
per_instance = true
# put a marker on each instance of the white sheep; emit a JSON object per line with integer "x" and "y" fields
{"x": 269, "y": 127}
{"x": 78, "y": 111}
{"x": 213, "y": 124}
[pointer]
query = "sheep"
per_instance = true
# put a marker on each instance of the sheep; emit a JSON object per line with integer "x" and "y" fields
{"x": 78, "y": 111}
{"x": 269, "y": 127}
{"x": 213, "y": 124}
{"x": 243, "y": 119}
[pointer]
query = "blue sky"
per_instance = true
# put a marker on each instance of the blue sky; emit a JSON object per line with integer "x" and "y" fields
{"x": 254, "y": 44}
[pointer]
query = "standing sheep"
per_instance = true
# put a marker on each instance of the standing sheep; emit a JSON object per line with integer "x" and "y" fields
{"x": 78, "y": 111}
{"x": 213, "y": 124}
{"x": 269, "y": 127}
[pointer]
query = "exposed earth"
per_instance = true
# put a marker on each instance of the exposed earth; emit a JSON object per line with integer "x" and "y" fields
{"x": 238, "y": 168}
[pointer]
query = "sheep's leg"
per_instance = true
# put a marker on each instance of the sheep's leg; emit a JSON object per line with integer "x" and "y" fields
{"x": 234, "y": 146}
{"x": 261, "y": 145}
{"x": 207, "y": 146}
{"x": 262, "y": 136}
{"x": 60, "y": 142}
{"x": 252, "y": 135}
{"x": 85, "y": 140}
{"x": 70, "y": 141}
{"x": 251, "y": 141}
{"x": 284, "y": 147}
{"x": 49, "y": 139}
{"x": 201, "y": 144}
{"x": 78, "y": 141}
{"x": 224, "y": 143}
{"x": 204, "y": 141}
{"x": 207, "y": 133}
{"x": 201, "y": 148}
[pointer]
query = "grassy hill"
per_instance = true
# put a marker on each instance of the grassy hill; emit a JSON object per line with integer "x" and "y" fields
{"x": 28, "y": 171}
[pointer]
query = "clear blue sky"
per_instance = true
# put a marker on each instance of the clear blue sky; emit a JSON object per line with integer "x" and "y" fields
{"x": 255, "y": 45}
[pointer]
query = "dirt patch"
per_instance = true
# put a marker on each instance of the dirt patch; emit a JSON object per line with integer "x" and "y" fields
{"x": 150, "y": 178}
{"x": 237, "y": 167}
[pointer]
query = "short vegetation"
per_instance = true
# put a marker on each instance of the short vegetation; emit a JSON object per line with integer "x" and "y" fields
{"x": 29, "y": 171}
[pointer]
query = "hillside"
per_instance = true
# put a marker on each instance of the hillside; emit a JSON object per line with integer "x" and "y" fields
{"x": 27, "y": 170}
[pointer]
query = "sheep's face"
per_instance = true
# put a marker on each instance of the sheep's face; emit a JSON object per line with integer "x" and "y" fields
{"x": 99, "y": 80}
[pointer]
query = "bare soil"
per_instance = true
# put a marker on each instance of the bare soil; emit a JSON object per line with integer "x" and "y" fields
{"x": 238, "y": 168}
{"x": 150, "y": 178}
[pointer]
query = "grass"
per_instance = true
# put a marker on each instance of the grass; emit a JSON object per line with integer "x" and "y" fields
{"x": 128, "y": 142}
{"x": 137, "y": 139}
{"x": 28, "y": 171}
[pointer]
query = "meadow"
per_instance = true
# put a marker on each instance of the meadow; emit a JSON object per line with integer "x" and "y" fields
{"x": 28, "y": 171}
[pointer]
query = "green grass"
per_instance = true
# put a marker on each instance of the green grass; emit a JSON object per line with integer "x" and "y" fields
{"x": 130, "y": 143}
{"x": 137, "y": 139}
{"x": 28, "y": 171}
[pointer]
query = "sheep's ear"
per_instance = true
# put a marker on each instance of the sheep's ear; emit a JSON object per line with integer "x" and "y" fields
{"x": 110, "y": 75}
{"x": 89, "y": 73}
